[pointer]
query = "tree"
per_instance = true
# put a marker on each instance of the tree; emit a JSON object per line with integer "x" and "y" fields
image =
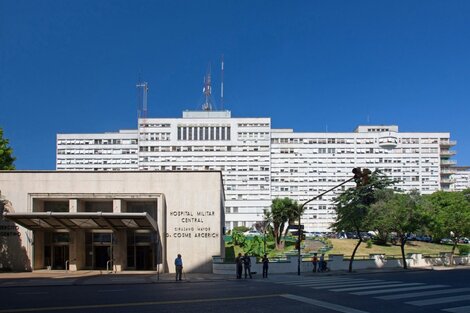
{"x": 284, "y": 211}
{"x": 398, "y": 213}
{"x": 451, "y": 215}
{"x": 352, "y": 206}
{"x": 6, "y": 154}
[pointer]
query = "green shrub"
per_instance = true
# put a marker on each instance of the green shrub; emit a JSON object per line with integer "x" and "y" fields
{"x": 369, "y": 243}
{"x": 464, "y": 249}
{"x": 241, "y": 229}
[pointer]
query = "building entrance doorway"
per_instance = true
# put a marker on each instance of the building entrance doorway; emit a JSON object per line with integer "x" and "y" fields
{"x": 60, "y": 255}
{"x": 141, "y": 249}
{"x": 99, "y": 250}
{"x": 102, "y": 255}
{"x": 143, "y": 257}
{"x": 56, "y": 250}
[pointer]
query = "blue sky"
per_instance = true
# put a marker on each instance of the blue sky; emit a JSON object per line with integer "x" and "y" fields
{"x": 72, "y": 66}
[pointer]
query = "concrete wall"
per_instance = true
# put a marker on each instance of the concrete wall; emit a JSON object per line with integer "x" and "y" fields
{"x": 336, "y": 262}
{"x": 199, "y": 193}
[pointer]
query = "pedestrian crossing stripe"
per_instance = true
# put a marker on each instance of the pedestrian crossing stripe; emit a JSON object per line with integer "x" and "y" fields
{"x": 294, "y": 282}
{"x": 357, "y": 284}
{"x": 423, "y": 294}
{"x": 374, "y": 292}
{"x": 460, "y": 309}
{"x": 439, "y": 300}
{"x": 386, "y": 285}
{"x": 329, "y": 283}
{"x": 396, "y": 289}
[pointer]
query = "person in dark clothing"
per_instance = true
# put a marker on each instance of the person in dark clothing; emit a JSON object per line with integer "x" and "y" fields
{"x": 239, "y": 265}
{"x": 314, "y": 262}
{"x": 247, "y": 265}
{"x": 265, "y": 261}
{"x": 179, "y": 267}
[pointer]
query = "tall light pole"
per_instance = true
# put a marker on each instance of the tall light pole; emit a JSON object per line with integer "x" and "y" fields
{"x": 359, "y": 175}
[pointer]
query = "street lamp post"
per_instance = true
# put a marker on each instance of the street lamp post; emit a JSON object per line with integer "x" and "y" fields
{"x": 360, "y": 176}
{"x": 300, "y": 216}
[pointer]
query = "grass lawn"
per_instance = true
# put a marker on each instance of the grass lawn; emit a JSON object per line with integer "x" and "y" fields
{"x": 346, "y": 247}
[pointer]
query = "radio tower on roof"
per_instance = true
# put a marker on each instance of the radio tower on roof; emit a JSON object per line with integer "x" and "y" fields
{"x": 207, "y": 106}
{"x": 142, "y": 90}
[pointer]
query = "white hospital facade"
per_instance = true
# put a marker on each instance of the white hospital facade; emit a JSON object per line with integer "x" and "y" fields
{"x": 260, "y": 163}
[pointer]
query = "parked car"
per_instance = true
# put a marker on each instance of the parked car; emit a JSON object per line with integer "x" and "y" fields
{"x": 424, "y": 238}
{"x": 464, "y": 240}
{"x": 446, "y": 241}
{"x": 252, "y": 233}
{"x": 309, "y": 234}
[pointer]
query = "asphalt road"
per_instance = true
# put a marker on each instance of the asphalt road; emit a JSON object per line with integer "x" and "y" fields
{"x": 415, "y": 291}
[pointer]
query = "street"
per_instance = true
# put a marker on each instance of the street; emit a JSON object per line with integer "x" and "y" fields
{"x": 412, "y": 291}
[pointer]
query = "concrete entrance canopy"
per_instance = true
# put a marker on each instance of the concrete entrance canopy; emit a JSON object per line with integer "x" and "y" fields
{"x": 85, "y": 220}
{"x": 130, "y": 220}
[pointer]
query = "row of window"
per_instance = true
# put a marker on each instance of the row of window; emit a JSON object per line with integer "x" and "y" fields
{"x": 154, "y": 125}
{"x": 97, "y": 141}
{"x": 353, "y": 140}
{"x": 155, "y": 136}
{"x": 204, "y": 133}
{"x": 97, "y": 161}
{"x": 253, "y": 125}
{"x": 96, "y": 151}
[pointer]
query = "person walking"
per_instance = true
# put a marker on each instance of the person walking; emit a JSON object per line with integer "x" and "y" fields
{"x": 322, "y": 266}
{"x": 179, "y": 267}
{"x": 239, "y": 266}
{"x": 247, "y": 265}
{"x": 314, "y": 262}
{"x": 265, "y": 262}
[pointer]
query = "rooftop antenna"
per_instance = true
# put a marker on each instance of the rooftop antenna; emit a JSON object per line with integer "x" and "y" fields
{"x": 222, "y": 84}
{"x": 142, "y": 91}
{"x": 207, "y": 106}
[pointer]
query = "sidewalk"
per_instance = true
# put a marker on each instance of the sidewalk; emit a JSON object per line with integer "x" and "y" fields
{"x": 63, "y": 278}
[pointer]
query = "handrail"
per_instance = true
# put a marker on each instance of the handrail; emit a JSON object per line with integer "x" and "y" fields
{"x": 66, "y": 265}
{"x": 108, "y": 266}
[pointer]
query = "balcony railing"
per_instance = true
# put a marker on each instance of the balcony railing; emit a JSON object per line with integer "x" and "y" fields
{"x": 448, "y": 152}
{"x": 448, "y": 170}
{"x": 448, "y": 143}
{"x": 448, "y": 162}
{"x": 447, "y": 181}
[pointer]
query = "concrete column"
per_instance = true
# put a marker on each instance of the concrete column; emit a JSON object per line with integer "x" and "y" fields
{"x": 77, "y": 250}
{"x": 38, "y": 254}
{"x": 73, "y": 205}
{"x": 120, "y": 250}
{"x": 161, "y": 233}
{"x": 117, "y": 206}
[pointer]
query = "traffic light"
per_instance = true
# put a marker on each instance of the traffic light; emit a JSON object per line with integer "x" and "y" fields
{"x": 357, "y": 175}
{"x": 365, "y": 176}
{"x": 361, "y": 177}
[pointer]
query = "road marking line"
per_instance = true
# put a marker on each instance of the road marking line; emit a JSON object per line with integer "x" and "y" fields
{"x": 357, "y": 284}
{"x": 375, "y": 292}
{"x": 439, "y": 300}
{"x": 422, "y": 294}
{"x": 110, "y": 290}
{"x": 317, "y": 282}
{"x": 314, "y": 279}
{"x": 460, "y": 309}
{"x": 33, "y": 293}
{"x": 327, "y": 305}
{"x": 387, "y": 285}
{"x": 131, "y": 304}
